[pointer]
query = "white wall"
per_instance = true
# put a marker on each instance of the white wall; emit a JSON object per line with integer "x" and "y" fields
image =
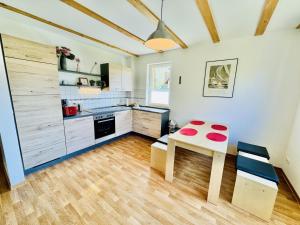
{"x": 10, "y": 145}
{"x": 291, "y": 162}
{"x": 291, "y": 167}
{"x": 266, "y": 88}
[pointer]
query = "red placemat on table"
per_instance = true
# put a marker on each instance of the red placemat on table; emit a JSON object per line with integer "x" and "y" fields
{"x": 216, "y": 137}
{"x": 188, "y": 131}
{"x": 218, "y": 127}
{"x": 197, "y": 122}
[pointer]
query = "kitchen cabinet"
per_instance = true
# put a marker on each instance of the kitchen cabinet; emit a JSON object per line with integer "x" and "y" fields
{"x": 150, "y": 124}
{"x": 118, "y": 77}
{"x": 79, "y": 133}
{"x": 33, "y": 78}
{"x": 123, "y": 122}
{"x": 127, "y": 79}
{"x": 22, "y": 49}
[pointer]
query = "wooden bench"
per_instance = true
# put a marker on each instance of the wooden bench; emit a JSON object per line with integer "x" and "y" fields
{"x": 158, "y": 156}
{"x": 255, "y": 187}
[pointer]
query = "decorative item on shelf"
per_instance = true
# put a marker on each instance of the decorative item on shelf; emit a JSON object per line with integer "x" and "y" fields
{"x": 64, "y": 53}
{"x": 62, "y": 82}
{"x": 93, "y": 67}
{"x": 160, "y": 39}
{"x": 99, "y": 83}
{"x": 77, "y": 66}
{"x": 92, "y": 82}
{"x": 220, "y": 78}
{"x": 83, "y": 81}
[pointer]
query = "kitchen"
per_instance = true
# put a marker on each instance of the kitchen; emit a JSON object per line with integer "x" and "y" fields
{"x": 90, "y": 111}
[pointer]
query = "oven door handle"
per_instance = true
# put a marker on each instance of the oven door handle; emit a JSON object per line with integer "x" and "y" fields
{"x": 101, "y": 121}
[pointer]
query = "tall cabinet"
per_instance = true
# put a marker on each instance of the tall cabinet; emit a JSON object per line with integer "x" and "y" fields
{"x": 33, "y": 78}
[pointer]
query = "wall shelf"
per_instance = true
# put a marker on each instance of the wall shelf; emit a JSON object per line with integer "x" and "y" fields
{"x": 74, "y": 85}
{"x": 80, "y": 73}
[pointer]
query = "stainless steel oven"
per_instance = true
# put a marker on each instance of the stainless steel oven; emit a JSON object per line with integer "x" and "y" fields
{"x": 104, "y": 125}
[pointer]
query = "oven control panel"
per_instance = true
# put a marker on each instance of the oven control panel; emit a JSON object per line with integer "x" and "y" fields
{"x": 103, "y": 116}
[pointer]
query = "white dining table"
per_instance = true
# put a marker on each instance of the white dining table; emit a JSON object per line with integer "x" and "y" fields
{"x": 201, "y": 144}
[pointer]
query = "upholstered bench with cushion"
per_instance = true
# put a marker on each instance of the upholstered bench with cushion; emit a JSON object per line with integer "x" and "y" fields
{"x": 255, "y": 187}
{"x": 253, "y": 149}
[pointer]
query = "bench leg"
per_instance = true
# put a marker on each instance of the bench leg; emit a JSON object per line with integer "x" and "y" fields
{"x": 216, "y": 177}
{"x": 170, "y": 161}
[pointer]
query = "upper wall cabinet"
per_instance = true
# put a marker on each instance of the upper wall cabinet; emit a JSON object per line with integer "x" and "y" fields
{"x": 28, "y": 50}
{"x": 127, "y": 79}
{"x": 116, "y": 77}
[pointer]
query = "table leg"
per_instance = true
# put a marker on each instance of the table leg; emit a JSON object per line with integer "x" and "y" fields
{"x": 170, "y": 160}
{"x": 216, "y": 177}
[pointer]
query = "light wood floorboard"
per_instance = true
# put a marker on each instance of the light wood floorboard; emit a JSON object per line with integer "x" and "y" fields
{"x": 115, "y": 185}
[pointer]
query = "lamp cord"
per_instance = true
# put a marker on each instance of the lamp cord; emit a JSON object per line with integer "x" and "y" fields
{"x": 161, "y": 9}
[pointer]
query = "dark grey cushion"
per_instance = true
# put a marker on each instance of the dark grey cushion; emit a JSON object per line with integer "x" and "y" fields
{"x": 257, "y": 168}
{"x": 253, "y": 149}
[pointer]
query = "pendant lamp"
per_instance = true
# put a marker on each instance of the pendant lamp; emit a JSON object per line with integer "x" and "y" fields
{"x": 160, "y": 39}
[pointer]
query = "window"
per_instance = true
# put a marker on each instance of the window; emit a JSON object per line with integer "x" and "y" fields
{"x": 158, "y": 84}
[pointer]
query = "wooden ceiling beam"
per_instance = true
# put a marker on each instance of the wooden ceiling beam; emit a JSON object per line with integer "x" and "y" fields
{"x": 13, "y": 9}
{"x": 143, "y": 9}
{"x": 205, "y": 11}
{"x": 101, "y": 19}
{"x": 266, "y": 15}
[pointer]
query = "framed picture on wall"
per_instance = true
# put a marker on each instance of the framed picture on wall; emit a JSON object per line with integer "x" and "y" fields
{"x": 219, "y": 78}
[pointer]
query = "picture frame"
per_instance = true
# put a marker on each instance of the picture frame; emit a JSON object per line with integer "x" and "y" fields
{"x": 84, "y": 81}
{"x": 219, "y": 79}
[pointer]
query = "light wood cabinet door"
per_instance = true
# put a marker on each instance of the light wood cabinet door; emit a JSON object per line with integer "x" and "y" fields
{"x": 127, "y": 79}
{"x": 32, "y": 78}
{"x": 115, "y": 77}
{"x": 40, "y": 128}
{"x": 123, "y": 122}
{"x": 79, "y": 133}
{"x": 147, "y": 123}
{"x": 28, "y": 50}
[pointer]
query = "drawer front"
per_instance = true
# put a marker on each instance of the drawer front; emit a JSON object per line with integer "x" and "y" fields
{"x": 43, "y": 154}
{"x": 32, "y": 78}
{"x": 146, "y": 115}
{"x": 40, "y": 127}
{"x": 155, "y": 133}
{"x": 78, "y": 144}
{"x": 28, "y": 50}
{"x": 42, "y": 145}
{"x": 147, "y": 123}
{"x": 79, "y": 133}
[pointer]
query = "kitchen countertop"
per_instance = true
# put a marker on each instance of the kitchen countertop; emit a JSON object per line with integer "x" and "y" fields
{"x": 91, "y": 112}
{"x": 150, "y": 109}
{"x": 79, "y": 115}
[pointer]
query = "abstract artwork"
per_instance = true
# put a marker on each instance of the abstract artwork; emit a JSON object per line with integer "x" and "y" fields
{"x": 220, "y": 78}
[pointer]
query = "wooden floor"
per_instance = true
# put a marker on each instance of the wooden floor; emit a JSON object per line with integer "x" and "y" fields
{"x": 115, "y": 185}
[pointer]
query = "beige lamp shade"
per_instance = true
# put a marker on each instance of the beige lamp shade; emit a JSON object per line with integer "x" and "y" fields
{"x": 160, "y": 39}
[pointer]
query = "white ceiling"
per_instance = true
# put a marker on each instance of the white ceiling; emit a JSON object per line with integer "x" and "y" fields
{"x": 233, "y": 18}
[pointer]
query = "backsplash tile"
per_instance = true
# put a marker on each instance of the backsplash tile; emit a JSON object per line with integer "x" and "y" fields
{"x": 104, "y": 99}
